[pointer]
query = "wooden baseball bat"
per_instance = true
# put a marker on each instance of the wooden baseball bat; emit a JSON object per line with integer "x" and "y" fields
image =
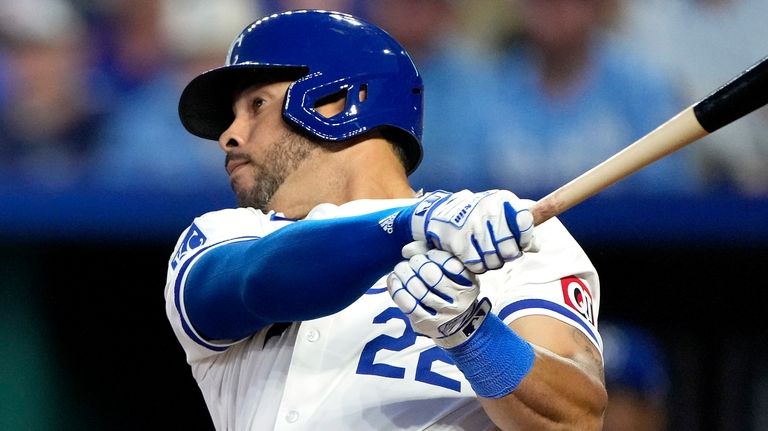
{"x": 740, "y": 96}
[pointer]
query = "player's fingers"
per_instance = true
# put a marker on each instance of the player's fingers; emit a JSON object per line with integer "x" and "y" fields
{"x": 413, "y": 248}
{"x": 442, "y": 289}
{"x": 508, "y": 250}
{"x": 412, "y": 283}
{"x": 520, "y": 222}
{"x": 452, "y": 267}
{"x": 457, "y": 288}
{"x": 437, "y": 300}
{"x": 429, "y": 272}
{"x": 527, "y": 238}
{"x": 402, "y": 271}
{"x": 400, "y": 295}
{"x": 411, "y": 280}
{"x": 438, "y": 256}
{"x": 485, "y": 244}
{"x": 472, "y": 260}
{"x": 505, "y": 241}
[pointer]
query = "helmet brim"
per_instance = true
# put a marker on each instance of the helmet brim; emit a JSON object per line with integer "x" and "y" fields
{"x": 205, "y": 105}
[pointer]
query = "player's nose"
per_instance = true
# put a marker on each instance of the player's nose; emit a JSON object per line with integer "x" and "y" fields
{"x": 232, "y": 137}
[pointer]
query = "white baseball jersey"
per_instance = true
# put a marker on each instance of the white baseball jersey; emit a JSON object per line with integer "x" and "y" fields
{"x": 363, "y": 368}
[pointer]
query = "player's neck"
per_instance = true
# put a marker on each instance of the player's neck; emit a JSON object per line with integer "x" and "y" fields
{"x": 366, "y": 170}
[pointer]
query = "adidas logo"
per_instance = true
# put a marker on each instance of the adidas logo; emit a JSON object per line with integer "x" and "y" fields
{"x": 387, "y": 223}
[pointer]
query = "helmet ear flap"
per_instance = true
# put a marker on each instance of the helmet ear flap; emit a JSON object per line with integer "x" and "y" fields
{"x": 370, "y": 102}
{"x": 332, "y": 105}
{"x": 345, "y": 102}
{"x": 307, "y": 94}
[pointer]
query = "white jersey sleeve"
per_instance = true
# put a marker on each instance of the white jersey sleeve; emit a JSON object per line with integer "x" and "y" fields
{"x": 207, "y": 232}
{"x": 557, "y": 281}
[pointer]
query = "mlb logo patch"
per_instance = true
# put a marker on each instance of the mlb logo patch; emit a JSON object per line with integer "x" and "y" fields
{"x": 577, "y": 296}
{"x": 192, "y": 240}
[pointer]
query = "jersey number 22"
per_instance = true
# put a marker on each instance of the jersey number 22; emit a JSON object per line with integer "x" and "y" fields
{"x": 424, "y": 372}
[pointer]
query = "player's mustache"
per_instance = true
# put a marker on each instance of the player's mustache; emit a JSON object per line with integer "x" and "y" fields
{"x": 236, "y": 156}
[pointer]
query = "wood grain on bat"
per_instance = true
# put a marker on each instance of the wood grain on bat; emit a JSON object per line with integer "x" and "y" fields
{"x": 674, "y": 134}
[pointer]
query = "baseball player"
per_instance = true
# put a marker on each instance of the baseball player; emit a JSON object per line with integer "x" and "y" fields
{"x": 335, "y": 297}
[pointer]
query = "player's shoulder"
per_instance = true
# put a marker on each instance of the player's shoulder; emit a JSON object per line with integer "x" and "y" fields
{"x": 235, "y": 213}
{"x": 558, "y": 255}
{"x": 557, "y": 244}
{"x": 357, "y": 207}
{"x": 239, "y": 221}
{"x": 226, "y": 224}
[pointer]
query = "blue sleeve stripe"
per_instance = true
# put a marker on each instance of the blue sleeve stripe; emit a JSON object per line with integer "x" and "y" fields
{"x": 375, "y": 290}
{"x": 547, "y": 305}
{"x": 177, "y": 293}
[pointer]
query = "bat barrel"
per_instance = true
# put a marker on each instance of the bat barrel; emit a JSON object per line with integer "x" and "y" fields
{"x": 742, "y": 95}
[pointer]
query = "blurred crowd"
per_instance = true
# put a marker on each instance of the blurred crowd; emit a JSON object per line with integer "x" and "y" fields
{"x": 520, "y": 94}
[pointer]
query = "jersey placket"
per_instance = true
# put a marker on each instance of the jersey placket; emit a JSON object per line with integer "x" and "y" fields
{"x": 302, "y": 395}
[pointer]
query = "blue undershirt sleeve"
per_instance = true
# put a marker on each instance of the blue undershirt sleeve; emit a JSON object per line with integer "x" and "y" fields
{"x": 306, "y": 270}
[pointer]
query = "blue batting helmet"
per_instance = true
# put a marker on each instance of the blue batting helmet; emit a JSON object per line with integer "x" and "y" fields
{"x": 326, "y": 53}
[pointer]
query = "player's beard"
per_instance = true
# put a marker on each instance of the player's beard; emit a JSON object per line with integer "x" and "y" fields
{"x": 281, "y": 160}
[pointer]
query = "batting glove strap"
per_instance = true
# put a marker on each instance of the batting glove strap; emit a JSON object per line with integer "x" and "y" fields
{"x": 494, "y": 360}
{"x": 461, "y": 328}
{"x": 422, "y": 211}
{"x": 413, "y": 219}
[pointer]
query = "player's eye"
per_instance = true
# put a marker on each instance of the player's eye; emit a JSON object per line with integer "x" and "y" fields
{"x": 257, "y": 103}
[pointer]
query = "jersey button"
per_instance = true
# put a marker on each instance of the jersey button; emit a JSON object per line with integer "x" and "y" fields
{"x": 292, "y": 416}
{"x": 313, "y": 335}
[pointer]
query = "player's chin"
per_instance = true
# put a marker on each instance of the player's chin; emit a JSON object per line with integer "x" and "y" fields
{"x": 240, "y": 188}
{"x": 241, "y": 179}
{"x": 245, "y": 199}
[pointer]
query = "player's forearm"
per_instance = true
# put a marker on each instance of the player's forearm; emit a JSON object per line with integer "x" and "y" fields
{"x": 523, "y": 386}
{"x": 558, "y": 393}
{"x": 303, "y": 271}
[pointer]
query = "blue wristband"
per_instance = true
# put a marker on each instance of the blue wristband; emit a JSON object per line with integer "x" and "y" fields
{"x": 495, "y": 360}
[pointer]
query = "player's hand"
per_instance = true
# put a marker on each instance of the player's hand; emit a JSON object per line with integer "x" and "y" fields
{"x": 438, "y": 294}
{"x": 483, "y": 230}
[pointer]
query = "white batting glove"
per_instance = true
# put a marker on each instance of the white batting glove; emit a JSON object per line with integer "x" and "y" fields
{"x": 483, "y": 230}
{"x": 438, "y": 295}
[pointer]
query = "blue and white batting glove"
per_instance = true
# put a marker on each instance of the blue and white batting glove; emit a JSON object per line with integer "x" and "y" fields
{"x": 484, "y": 230}
{"x": 440, "y": 298}
{"x": 438, "y": 295}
